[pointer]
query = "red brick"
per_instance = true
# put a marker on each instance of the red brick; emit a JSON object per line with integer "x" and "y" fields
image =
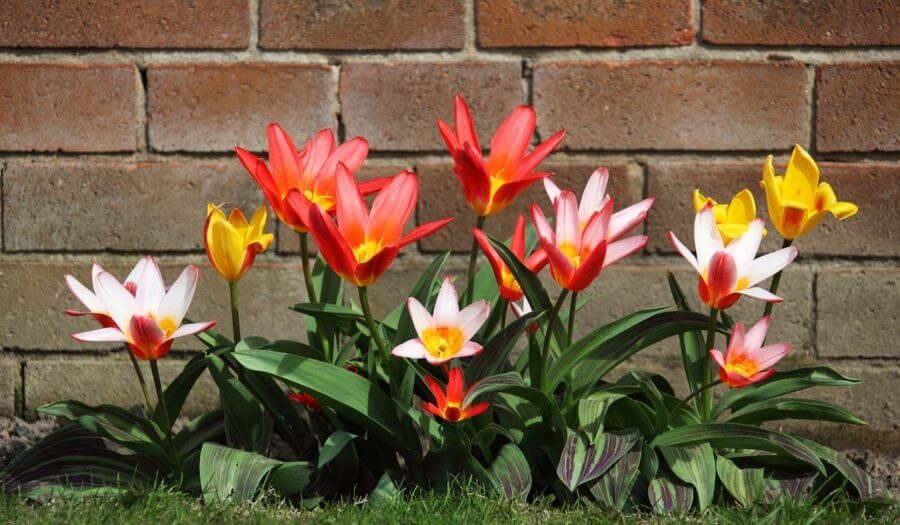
{"x": 588, "y": 23}
{"x": 126, "y": 23}
{"x": 214, "y": 107}
{"x": 396, "y": 106}
{"x": 674, "y": 105}
{"x": 441, "y": 196}
{"x": 872, "y": 186}
{"x": 360, "y": 24}
{"x": 801, "y": 22}
{"x": 146, "y": 206}
{"x": 68, "y": 107}
{"x": 856, "y": 107}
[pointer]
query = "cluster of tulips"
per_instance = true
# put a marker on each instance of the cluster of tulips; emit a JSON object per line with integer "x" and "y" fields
{"x": 443, "y": 340}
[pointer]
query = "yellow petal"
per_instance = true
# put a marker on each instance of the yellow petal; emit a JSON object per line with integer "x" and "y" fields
{"x": 731, "y": 232}
{"x": 826, "y": 200}
{"x": 226, "y": 249}
{"x": 701, "y": 200}
{"x": 720, "y": 212}
{"x": 794, "y": 218}
{"x": 843, "y": 210}
{"x": 237, "y": 219}
{"x": 742, "y": 209}
{"x": 801, "y": 178}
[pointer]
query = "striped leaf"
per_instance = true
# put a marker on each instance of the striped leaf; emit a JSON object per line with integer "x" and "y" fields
{"x": 744, "y": 484}
{"x": 786, "y": 484}
{"x": 614, "y": 487}
{"x": 669, "y": 495}
{"x": 695, "y": 465}
{"x": 581, "y": 462}
{"x": 511, "y": 473}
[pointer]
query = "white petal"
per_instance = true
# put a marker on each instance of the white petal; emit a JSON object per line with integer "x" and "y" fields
{"x": 706, "y": 236}
{"x": 768, "y": 356}
{"x": 682, "y": 249}
{"x": 625, "y": 220}
{"x": 768, "y": 265}
{"x": 101, "y": 335}
{"x": 137, "y": 272}
{"x": 761, "y": 293}
{"x": 744, "y": 248}
{"x": 594, "y": 196}
{"x": 413, "y": 349}
{"x": 472, "y": 317}
{"x": 568, "y": 226}
{"x": 469, "y": 349}
{"x": 150, "y": 287}
{"x": 178, "y": 299}
{"x": 623, "y": 248}
{"x": 192, "y": 328}
{"x": 421, "y": 319}
{"x": 521, "y": 310}
{"x": 446, "y": 306}
{"x": 87, "y": 297}
{"x": 541, "y": 226}
{"x": 96, "y": 270}
{"x": 121, "y": 304}
{"x": 552, "y": 189}
{"x": 756, "y": 336}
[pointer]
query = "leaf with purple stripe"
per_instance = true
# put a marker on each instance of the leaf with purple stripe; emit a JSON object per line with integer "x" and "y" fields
{"x": 669, "y": 495}
{"x": 614, "y": 487}
{"x": 581, "y": 462}
{"x": 790, "y": 485}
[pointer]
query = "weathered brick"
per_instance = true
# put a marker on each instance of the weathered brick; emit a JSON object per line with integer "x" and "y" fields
{"x": 801, "y": 23}
{"x": 9, "y": 386}
{"x": 106, "y": 381}
{"x": 393, "y": 288}
{"x": 142, "y": 206}
{"x": 126, "y": 23}
{"x": 442, "y": 196}
{"x": 214, "y": 107}
{"x": 396, "y": 106}
{"x": 872, "y": 186}
{"x": 854, "y": 111}
{"x": 35, "y": 296}
{"x": 358, "y": 24}
{"x": 674, "y": 105}
{"x": 591, "y": 23}
{"x": 857, "y": 312}
{"x": 52, "y": 107}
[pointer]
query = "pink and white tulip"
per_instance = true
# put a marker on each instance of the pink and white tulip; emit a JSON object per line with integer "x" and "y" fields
{"x": 141, "y": 313}
{"x": 727, "y": 273}
{"x": 521, "y": 310}
{"x": 747, "y": 361}
{"x": 448, "y": 333}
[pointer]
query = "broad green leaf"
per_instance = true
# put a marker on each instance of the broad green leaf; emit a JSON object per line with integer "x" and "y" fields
{"x": 652, "y": 393}
{"x": 511, "y": 383}
{"x": 857, "y": 477}
{"x": 794, "y": 486}
{"x": 614, "y": 487}
{"x": 495, "y": 352}
{"x": 211, "y": 338}
{"x": 744, "y": 484}
{"x": 511, "y": 473}
{"x": 668, "y": 495}
{"x": 243, "y": 414}
{"x": 422, "y": 291}
{"x": 775, "y": 409}
{"x": 385, "y": 491}
{"x": 349, "y": 394}
{"x": 228, "y": 473}
{"x": 342, "y": 317}
{"x": 695, "y": 465}
{"x": 781, "y": 383}
{"x": 693, "y": 355}
{"x": 734, "y": 435}
{"x": 279, "y": 407}
{"x": 333, "y": 446}
{"x": 591, "y": 413}
{"x": 207, "y": 427}
{"x": 179, "y": 388}
{"x": 581, "y": 462}
{"x": 291, "y": 477}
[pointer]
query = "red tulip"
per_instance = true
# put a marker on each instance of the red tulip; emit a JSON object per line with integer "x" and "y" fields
{"x": 450, "y": 406}
{"x": 509, "y": 287}
{"x": 747, "y": 360}
{"x": 491, "y": 184}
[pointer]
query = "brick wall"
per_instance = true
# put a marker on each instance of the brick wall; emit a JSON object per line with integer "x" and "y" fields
{"x": 117, "y": 121}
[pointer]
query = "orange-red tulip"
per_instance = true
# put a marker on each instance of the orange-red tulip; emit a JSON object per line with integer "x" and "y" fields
{"x": 362, "y": 244}
{"x": 489, "y": 185}
{"x": 509, "y": 287}
{"x": 311, "y": 171}
{"x": 747, "y": 360}
{"x": 450, "y": 406}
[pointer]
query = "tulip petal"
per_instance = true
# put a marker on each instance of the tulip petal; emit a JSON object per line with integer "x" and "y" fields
{"x": 465, "y": 127}
{"x": 769, "y": 264}
{"x": 468, "y": 350}
{"x": 423, "y": 230}
{"x": 594, "y": 196}
{"x": 552, "y": 190}
{"x": 742, "y": 208}
{"x": 150, "y": 288}
{"x": 476, "y": 410}
{"x": 121, "y": 304}
{"x": 351, "y": 154}
{"x": 316, "y": 154}
{"x": 517, "y": 242}
{"x": 721, "y": 276}
{"x": 455, "y": 386}
{"x": 510, "y": 141}
{"x": 541, "y": 226}
{"x": 283, "y": 158}
{"x": 684, "y": 252}
{"x": 472, "y": 173}
{"x": 756, "y": 336}
{"x": 420, "y": 317}
{"x": 508, "y": 191}
{"x": 623, "y": 248}
{"x": 145, "y": 334}
{"x": 260, "y": 173}
{"x": 192, "y": 328}
{"x": 540, "y": 152}
{"x": 412, "y": 349}
{"x": 101, "y": 335}
{"x": 597, "y": 227}
{"x": 744, "y": 248}
{"x": 446, "y": 306}
{"x": 332, "y": 245}
{"x": 392, "y": 208}
{"x": 568, "y": 227}
{"x": 801, "y": 178}
{"x": 497, "y": 264}
{"x": 352, "y": 213}
{"x": 717, "y": 357}
{"x": 178, "y": 298}
{"x": 706, "y": 236}
{"x": 87, "y": 297}
{"x": 761, "y": 293}
{"x": 625, "y": 220}
{"x": 588, "y": 270}
{"x": 449, "y": 136}
{"x": 471, "y": 318}
{"x": 436, "y": 390}
{"x": 768, "y": 356}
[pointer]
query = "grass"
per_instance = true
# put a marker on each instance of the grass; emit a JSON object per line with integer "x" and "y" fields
{"x": 466, "y": 507}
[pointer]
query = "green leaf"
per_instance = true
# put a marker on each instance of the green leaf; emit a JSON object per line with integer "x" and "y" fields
{"x": 656, "y": 401}
{"x": 333, "y": 446}
{"x": 745, "y": 485}
{"x": 495, "y": 351}
{"x": 775, "y": 409}
{"x": 228, "y": 473}
{"x": 179, "y": 388}
{"x": 615, "y": 486}
{"x": 581, "y": 462}
{"x": 788, "y": 484}
{"x": 342, "y": 317}
{"x": 511, "y": 473}
{"x": 349, "y": 394}
{"x": 695, "y": 465}
{"x": 734, "y": 435}
{"x": 291, "y": 477}
{"x": 243, "y": 414}
{"x": 211, "y": 339}
{"x": 669, "y": 496}
{"x": 207, "y": 427}
{"x": 693, "y": 355}
{"x": 385, "y": 491}
{"x": 857, "y": 477}
{"x": 511, "y": 383}
{"x": 422, "y": 291}
{"x": 328, "y": 285}
{"x": 781, "y": 383}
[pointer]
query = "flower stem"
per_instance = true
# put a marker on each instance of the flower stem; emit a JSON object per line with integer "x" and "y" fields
{"x": 572, "y": 305}
{"x": 504, "y": 305}
{"x": 307, "y": 270}
{"x": 370, "y": 321}
{"x": 161, "y": 400}
{"x": 545, "y": 353}
{"x": 137, "y": 370}
{"x": 473, "y": 258}
{"x": 235, "y": 315}
{"x": 686, "y": 400}
{"x": 705, "y": 407}
{"x": 775, "y": 280}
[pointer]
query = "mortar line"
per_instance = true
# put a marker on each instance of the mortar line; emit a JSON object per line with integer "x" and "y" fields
{"x": 813, "y": 108}
{"x": 814, "y": 312}
{"x": 470, "y": 37}
{"x": 3, "y": 206}
{"x": 143, "y": 113}
{"x": 697, "y": 19}
{"x": 253, "y": 20}
{"x": 21, "y": 403}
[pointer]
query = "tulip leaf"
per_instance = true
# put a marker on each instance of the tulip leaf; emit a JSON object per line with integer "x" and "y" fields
{"x": 385, "y": 491}
{"x": 228, "y": 473}
{"x": 614, "y": 487}
{"x": 243, "y": 414}
{"x": 511, "y": 383}
{"x": 857, "y": 477}
{"x": 180, "y": 387}
{"x": 511, "y": 473}
{"x": 794, "y": 486}
{"x": 695, "y": 465}
{"x": 693, "y": 355}
{"x": 342, "y": 317}
{"x": 491, "y": 358}
{"x": 734, "y": 435}
{"x": 781, "y": 383}
{"x": 582, "y": 462}
{"x": 333, "y": 446}
{"x": 776, "y": 409}
{"x": 668, "y": 495}
{"x": 746, "y": 485}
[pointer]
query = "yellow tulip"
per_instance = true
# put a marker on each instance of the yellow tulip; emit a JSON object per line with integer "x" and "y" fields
{"x": 232, "y": 243}
{"x": 732, "y": 219}
{"x": 798, "y": 201}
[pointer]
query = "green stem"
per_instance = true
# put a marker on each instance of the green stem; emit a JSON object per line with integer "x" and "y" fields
{"x": 140, "y": 375}
{"x": 370, "y": 322}
{"x": 161, "y": 400}
{"x": 473, "y": 258}
{"x": 545, "y": 353}
{"x": 307, "y": 270}
{"x": 504, "y": 305}
{"x": 707, "y": 399}
{"x": 775, "y": 280}
{"x": 235, "y": 315}
{"x": 571, "y": 331}
{"x": 686, "y": 400}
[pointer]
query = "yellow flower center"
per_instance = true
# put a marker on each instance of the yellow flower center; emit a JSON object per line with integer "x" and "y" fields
{"x": 167, "y": 324}
{"x": 508, "y": 281}
{"x": 571, "y": 252}
{"x": 365, "y": 251}
{"x": 326, "y": 202}
{"x": 742, "y": 284}
{"x": 443, "y": 341}
{"x": 743, "y": 368}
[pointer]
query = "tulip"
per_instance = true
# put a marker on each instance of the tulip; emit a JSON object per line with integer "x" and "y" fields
{"x": 593, "y": 200}
{"x": 448, "y": 334}
{"x": 509, "y": 287}
{"x": 727, "y": 273}
{"x": 577, "y": 255}
{"x": 747, "y": 361}
{"x": 520, "y": 310}
{"x": 449, "y": 406}
{"x": 96, "y": 308}
{"x": 310, "y": 402}
{"x": 731, "y": 219}
{"x": 362, "y": 244}
{"x": 797, "y": 201}
{"x": 490, "y": 185}
{"x": 146, "y": 316}
{"x": 232, "y": 243}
